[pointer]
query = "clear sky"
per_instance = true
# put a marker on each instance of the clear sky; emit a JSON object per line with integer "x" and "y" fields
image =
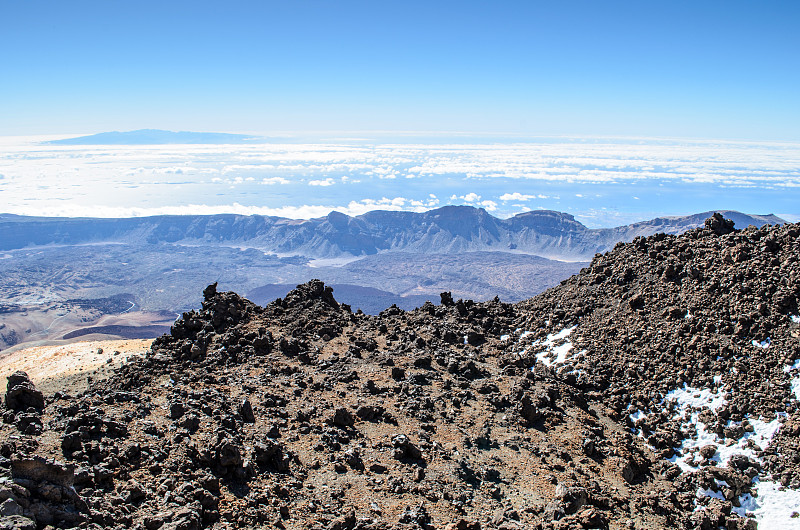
{"x": 655, "y": 68}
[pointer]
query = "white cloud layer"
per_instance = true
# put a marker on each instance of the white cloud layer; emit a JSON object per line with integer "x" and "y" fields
{"x": 299, "y": 180}
{"x": 274, "y": 180}
{"x": 517, "y": 196}
{"x": 327, "y": 182}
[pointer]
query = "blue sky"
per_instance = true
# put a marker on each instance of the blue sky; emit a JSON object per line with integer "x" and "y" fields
{"x": 666, "y": 69}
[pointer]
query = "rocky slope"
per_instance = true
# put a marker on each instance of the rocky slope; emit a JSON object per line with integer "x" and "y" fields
{"x": 655, "y": 389}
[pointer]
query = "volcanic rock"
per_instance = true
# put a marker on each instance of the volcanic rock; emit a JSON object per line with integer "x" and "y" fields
{"x": 21, "y": 394}
{"x": 562, "y": 411}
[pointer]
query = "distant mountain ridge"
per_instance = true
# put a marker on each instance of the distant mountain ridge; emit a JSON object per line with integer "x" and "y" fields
{"x": 156, "y": 137}
{"x": 446, "y": 230}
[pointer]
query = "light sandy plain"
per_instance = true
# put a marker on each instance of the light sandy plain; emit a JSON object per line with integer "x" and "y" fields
{"x": 70, "y": 367}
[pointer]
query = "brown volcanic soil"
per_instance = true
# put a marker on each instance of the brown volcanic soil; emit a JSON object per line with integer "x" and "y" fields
{"x": 302, "y": 414}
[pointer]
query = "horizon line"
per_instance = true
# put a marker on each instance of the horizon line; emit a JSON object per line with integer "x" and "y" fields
{"x": 299, "y": 134}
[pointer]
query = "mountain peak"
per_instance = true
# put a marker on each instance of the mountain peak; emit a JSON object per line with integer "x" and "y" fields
{"x": 542, "y": 214}
{"x": 457, "y": 209}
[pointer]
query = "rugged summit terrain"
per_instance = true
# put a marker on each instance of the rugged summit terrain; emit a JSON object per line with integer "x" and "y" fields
{"x": 655, "y": 389}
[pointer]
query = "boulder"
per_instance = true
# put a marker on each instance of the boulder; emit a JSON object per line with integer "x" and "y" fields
{"x": 21, "y": 394}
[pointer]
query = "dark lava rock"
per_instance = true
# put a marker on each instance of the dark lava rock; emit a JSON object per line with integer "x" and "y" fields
{"x": 342, "y": 418}
{"x": 21, "y": 394}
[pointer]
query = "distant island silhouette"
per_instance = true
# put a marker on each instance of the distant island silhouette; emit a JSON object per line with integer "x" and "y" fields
{"x": 157, "y": 137}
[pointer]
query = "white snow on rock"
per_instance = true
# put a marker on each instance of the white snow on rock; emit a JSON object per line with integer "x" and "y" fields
{"x": 711, "y": 493}
{"x": 774, "y": 507}
{"x": 638, "y": 415}
{"x": 761, "y": 436}
{"x": 764, "y": 431}
{"x": 763, "y": 344}
{"x": 796, "y": 387}
{"x": 796, "y": 380}
{"x": 689, "y": 400}
{"x": 693, "y": 397}
{"x": 795, "y": 366}
{"x": 560, "y": 352}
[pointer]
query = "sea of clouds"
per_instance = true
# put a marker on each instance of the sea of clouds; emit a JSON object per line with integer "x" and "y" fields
{"x": 603, "y": 182}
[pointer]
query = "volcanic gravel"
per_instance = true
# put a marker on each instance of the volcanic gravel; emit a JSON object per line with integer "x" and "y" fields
{"x": 557, "y": 412}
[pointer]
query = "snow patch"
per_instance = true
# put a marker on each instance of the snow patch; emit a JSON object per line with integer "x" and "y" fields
{"x": 560, "y": 352}
{"x": 795, "y": 366}
{"x": 709, "y": 493}
{"x": 690, "y": 403}
{"x": 796, "y": 319}
{"x": 505, "y": 337}
{"x": 761, "y": 436}
{"x": 714, "y": 494}
{"x": 773, "y": 507}
{"x": 763, "y": 432}
{"x": 638, "y": 415}
{"x": 698, "y": 398}
{"x": 684, "y": 455}
{"x": 563, "y": 334}
{"x": 763, "y": 344}
{"x": 796, "y": 387}
{"x": 796, "y": 381}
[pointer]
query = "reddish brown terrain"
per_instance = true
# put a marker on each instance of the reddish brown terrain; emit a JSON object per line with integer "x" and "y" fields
{"x": 655, "y": 389}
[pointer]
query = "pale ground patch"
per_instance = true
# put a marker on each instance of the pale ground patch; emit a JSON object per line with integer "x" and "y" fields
{"x": 47, "y": 362}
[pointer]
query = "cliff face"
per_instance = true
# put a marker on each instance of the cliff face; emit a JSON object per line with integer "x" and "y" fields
{"x": 655, "y": 389}
{"x": 451, "y": 229}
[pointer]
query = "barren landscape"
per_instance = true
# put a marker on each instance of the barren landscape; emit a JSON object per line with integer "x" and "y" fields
{"x": 630, "y": 396}
{"x": 130, "y": 278}
{"x": 406, "y": 265}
